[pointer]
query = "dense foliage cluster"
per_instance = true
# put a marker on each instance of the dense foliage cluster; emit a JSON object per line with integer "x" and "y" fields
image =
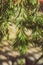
{"x": 26, "y": 16}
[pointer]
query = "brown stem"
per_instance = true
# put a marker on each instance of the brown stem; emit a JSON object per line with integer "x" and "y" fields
{"x": 37, "y": 60}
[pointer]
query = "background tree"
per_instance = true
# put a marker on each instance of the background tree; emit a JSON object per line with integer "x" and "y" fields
{"x": 26, "y": 16}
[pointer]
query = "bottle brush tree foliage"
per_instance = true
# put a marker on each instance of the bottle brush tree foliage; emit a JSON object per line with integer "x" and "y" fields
{"x": 26, "y": 16}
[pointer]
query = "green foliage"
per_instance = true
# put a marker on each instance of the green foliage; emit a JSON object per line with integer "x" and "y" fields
{"x": 21, "y": 41}
{"x": 5, "y": 15}
{"x": 26, "y": 16}
{"x": 21, "y": 61}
